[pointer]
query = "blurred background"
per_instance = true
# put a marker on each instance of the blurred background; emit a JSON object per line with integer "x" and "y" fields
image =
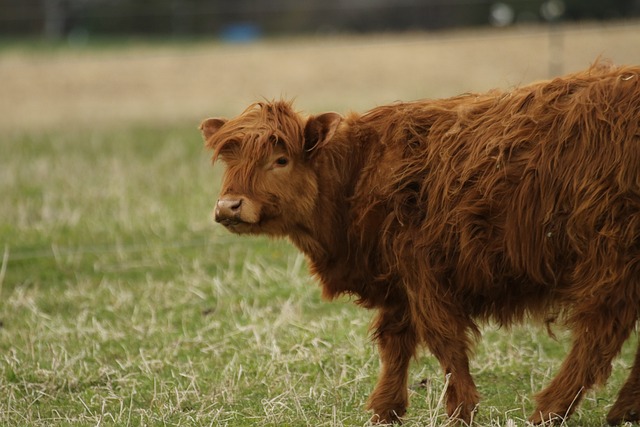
{"x": 107, "y": 62}
{"x": 241, "y": 20}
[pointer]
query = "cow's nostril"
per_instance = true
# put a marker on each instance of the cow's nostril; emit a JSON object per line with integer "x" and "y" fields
{"x": 228, "y": 208}
{"x": 230, "y": 204}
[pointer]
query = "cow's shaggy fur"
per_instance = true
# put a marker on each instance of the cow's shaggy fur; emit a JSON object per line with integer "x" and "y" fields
{"x": 444, "y": 213}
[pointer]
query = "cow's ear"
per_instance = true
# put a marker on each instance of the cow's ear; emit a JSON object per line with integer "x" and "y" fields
{"x": 210, "y": 126}
{"x": 319, "y": 130}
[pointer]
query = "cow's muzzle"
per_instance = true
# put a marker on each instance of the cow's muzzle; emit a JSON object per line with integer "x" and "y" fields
{"x": 229, "y": 210}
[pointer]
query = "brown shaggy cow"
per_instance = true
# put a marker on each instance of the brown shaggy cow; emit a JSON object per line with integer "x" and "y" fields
{"x": 444, "y": 213}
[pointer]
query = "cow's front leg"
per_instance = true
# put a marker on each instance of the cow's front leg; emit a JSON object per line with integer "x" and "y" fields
{"x": 447, "y": 335}
{"x": 397, "y": 344}
{"x": 462, "y": 395}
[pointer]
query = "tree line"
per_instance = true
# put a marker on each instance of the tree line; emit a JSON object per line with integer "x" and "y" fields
{"x": 250, "y": 18}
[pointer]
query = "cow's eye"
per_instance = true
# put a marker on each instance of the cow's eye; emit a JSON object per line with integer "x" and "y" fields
{"x": 282, "y": 161}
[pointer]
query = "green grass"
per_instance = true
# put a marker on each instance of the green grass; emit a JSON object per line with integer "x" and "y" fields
{"x": 121, "y": 303}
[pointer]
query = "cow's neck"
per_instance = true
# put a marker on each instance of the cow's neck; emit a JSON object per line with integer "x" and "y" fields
{"x": 325, "y": 239}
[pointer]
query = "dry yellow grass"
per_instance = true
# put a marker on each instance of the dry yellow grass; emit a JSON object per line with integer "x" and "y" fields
{"x": 175, "y": 83}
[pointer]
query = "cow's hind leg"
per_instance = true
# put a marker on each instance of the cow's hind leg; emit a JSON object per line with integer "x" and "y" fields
{"x": 627, "y": 406}
{"x": 599, "y": 330}
{"x": 397, "y": 344}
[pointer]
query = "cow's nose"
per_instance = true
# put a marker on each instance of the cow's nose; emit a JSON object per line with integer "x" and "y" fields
{"x": 228, "y": 208}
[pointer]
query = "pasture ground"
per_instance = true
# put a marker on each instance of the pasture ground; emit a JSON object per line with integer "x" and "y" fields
{"x": 122, "y": 304}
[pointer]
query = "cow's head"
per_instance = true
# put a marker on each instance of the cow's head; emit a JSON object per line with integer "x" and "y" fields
{"x": 269, "y": 185}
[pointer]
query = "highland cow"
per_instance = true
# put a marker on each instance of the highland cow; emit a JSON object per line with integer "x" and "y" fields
{"x": 442, "y": 214}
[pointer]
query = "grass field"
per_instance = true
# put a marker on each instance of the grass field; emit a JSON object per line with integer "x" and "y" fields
{"x": 122, "y": 304}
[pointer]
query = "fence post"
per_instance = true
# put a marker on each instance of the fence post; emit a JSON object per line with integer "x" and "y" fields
{"x": 552, "y": 11}
{"x": 54, "y": 19}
